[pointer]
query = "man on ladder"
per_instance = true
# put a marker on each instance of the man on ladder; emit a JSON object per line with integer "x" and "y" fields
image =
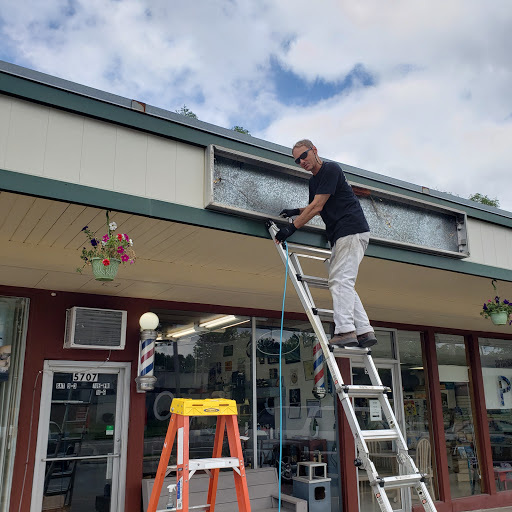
{"x": 347, "y": 230}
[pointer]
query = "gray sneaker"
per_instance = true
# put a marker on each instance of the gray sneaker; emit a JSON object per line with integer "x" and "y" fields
{"x": 344, "y": 339}
{"x": 367, "y": 339}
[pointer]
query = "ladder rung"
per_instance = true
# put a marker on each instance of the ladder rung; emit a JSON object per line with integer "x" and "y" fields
{"x": 318, "y": 282}
{"x": 309, "y": 251}
{"x": 365, "y": 391}
{"x": 393, "y": 482}
{"x": 193, "y": 507}
{"x": 327, "y": 314}
{"x": 380, "y": 435}
{"x": 212, "y": 463}
{"x": 349, "y": 351}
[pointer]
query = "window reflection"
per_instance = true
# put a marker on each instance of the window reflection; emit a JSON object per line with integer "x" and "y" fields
{"x": 207, "y": 363}
{"x": 308, "y": 405}
{"x": 218, "y": 364}
{"x": 463, "y": 464}
{"x": 13, "y": 313}
{"x": 496, "y": 358}
{"x": 417, "y": 412}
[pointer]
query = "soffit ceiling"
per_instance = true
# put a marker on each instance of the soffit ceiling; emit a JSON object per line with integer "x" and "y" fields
{"x": 41, "y": 241}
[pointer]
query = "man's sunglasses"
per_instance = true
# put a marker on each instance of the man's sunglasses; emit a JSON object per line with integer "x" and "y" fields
{"x": 302, "y": 156}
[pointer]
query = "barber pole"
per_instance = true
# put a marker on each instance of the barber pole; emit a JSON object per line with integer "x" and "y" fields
{"x": 146, "y": 380}
{"x": 318, "y": 367}
{"x": 147, "y": 353}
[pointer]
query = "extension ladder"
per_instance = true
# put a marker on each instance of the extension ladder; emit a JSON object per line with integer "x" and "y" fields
{"x": 410, "y": 476}
{"x": 182, "y": 409}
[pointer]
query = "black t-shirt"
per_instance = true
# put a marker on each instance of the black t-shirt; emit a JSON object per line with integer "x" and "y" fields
{"x": 342, "y": 212}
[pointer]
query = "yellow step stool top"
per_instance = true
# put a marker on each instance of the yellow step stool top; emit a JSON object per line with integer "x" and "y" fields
{"x": 207, "y": 407}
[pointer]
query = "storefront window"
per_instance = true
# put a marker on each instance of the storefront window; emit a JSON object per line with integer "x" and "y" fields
{"x": 13, "y": 318}
{"x": 496, "y": 358}
{"x": 207, "y": 363}
{"x": 218, "y": 364}
{"x": 416, "y": 407}
{"x": 308, "y": 404}
{"x": 458, "y": 418}
{"x": 385, "y": 348}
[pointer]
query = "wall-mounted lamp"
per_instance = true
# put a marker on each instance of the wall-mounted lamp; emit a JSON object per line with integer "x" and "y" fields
{"x": 145, "y": 379}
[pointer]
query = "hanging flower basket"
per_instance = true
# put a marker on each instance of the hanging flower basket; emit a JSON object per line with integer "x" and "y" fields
{"x": 104, "y": 269}
{"x": 498, "y": 310}
{"x": 500, "y": 318}
{"x": 105, "y": 254}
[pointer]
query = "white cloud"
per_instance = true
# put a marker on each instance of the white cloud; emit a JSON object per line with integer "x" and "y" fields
{"x": 442, "y": 123}
{"x": 164, "y": 53}
{"x": 439, "y": 113}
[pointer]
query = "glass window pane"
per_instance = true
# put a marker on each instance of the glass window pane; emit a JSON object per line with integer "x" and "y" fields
{"x": 370, "y": 416}
{"x": 496, "y": 358}
{"x": 13, "y": 317}
{"x": 206, "y": 363}
{"x": 417, "y": 415}
{"x": 82, "y": 416}
{"x": 384, "y": 349}
{"x": 458, "y": 418}
{"x": 79, "y": 485}
{"x": 308, "y": 403}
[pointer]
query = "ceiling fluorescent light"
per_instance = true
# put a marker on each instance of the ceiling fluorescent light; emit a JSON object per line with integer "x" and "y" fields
{"x": 185, "y": 332}
{"x": 219, "y": 321}
{"x": 224, "y": 322}
{"x": 237, "y": 323}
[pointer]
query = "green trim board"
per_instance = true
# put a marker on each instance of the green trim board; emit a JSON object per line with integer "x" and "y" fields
{"x": 38, "y": 186}
{"x": 34, "y": 86}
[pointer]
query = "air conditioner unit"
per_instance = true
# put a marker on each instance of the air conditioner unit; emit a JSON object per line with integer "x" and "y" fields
{"x": 95, "y": 329}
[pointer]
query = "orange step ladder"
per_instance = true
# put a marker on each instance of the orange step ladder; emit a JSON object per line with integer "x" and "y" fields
{"x": 226, "y": 412}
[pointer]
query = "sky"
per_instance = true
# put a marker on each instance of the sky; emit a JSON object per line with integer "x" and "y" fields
{"x": 418, "y": 90}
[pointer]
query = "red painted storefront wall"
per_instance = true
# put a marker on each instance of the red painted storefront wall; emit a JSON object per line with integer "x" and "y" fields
{"x": 45, "y": 336}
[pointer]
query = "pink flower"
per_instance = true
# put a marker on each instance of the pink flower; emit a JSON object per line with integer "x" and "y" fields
{"x": 120, "y": 249}
{"x": 125, "y": 257}
{"x": 105, "y": 238}
{"x": 126, "y": 237}
{"x": 106, "y": 262}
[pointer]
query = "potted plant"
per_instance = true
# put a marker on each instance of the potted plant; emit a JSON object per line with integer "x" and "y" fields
{"x": 497, "y": 310}
{"x": 105, "y": 254}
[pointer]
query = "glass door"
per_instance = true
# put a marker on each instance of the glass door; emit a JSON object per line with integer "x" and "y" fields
{"x": 371, "y": 417}
{"x": 81, "y": 456}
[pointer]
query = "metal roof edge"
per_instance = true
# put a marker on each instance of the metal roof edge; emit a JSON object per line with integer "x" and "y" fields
{"x": 474, "y": 209}
{"x": 121, "y": 101}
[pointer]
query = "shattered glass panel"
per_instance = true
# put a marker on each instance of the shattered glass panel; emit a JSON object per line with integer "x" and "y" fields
{"x": 260, "y": 190}
{"x": 402, "y": 222}
{"x": 255, "y": 189}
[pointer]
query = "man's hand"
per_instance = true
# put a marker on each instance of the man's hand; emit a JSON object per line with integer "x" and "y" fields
{"x": 285, "y": 232}
{"x": 289, "y": 212}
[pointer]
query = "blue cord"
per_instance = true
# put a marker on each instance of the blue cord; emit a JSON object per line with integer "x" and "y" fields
{"x": 281, "y": 383}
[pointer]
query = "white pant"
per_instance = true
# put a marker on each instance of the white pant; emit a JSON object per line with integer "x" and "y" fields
{"x": 349, "y": 313}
